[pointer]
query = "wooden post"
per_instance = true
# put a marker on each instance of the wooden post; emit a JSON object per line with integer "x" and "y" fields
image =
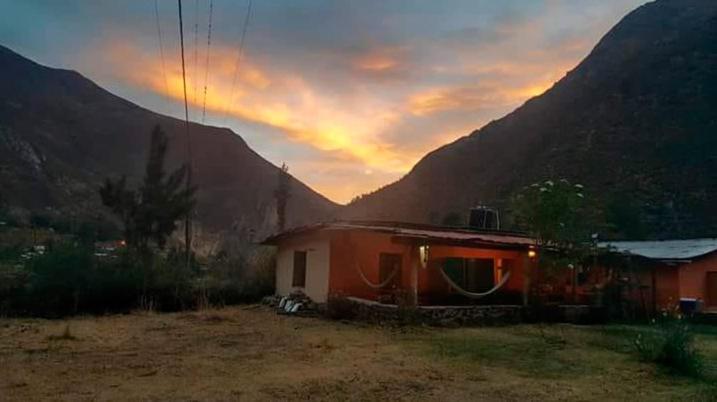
{"x": 414, "y": 275}
{"x": 574, "y": 284}
{"x": 654, "y": 290}
{"x": 526, "y": 279}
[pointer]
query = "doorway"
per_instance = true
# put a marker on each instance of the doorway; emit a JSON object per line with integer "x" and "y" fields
{"x": 711, "y": 289}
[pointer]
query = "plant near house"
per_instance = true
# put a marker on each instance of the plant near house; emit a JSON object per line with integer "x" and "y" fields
{"x": 562, "y": 220}
{"x": 670, "y": 342}
{"x": 339, "y": 308}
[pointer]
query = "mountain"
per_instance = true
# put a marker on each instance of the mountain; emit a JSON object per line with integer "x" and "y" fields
{"x": 61, "y": 135}
{"x": 635, "y": 122}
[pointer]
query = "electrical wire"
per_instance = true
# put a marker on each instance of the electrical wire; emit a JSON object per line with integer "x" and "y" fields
{"x": 187, "y": 226}
{"x": 161, "y": 47}
{"x": 237, "y": 61}
{"x": 206, "y": 65}
{"x": 195, "y": 70}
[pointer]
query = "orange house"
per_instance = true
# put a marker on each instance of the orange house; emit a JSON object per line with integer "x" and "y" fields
{"x": 672, "y": 271}
{"x": 403, "y": 263}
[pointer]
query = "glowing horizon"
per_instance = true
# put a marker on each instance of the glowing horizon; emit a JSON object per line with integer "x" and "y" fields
{"x": 351, "y": 98}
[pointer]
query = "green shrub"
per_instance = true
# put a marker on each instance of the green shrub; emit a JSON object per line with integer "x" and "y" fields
{"x": 339, "y": 307}
{"x": 243, "y": 275}
{"x": 68, "y": 278}
{"x": 669, "y": 342}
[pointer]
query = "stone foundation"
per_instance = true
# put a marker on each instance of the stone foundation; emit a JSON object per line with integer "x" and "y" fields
{"x": 375, "y": 312}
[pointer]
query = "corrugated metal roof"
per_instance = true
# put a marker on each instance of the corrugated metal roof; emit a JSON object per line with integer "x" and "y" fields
{"x": 418, "y": 231}
{"x": 665, "y": 249}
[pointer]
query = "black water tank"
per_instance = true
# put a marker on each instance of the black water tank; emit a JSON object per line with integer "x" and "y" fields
{"x": 484, "y": 218}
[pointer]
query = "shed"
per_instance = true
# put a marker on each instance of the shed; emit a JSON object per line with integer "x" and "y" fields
{"x": 679, "y": 269}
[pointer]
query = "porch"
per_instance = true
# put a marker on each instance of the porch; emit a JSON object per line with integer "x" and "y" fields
{"x": 436, "y": 268}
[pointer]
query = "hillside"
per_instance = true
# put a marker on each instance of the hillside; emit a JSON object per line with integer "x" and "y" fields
{"x": 61, "y": 135}
{"x": 635, "y": 122}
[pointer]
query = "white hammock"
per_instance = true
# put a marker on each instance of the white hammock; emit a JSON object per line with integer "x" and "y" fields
{"x": 474, "y": 295}
{"x": 374, "y": 285}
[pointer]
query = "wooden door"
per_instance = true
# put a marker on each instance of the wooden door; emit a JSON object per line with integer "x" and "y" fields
{"x": 711, "y": 289}
{"x": 479, "y": 275}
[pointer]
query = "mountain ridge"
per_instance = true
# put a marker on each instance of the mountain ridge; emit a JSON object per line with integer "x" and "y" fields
{"x": 630, "y": 116}
{"x": 61, "y": 134}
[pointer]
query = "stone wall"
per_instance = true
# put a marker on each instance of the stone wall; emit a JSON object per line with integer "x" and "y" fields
{"x": 438, "y": 315}
{"x": 352, "y": 308}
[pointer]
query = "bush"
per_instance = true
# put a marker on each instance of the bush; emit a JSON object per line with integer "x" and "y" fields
{"x": 68, "y": 278}
{"x": 339, "y": 307}
{"x": 670, "y": 343}
{"x": 243, "y": 275}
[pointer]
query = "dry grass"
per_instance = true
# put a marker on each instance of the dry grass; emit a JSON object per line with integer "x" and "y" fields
{"x": 252, "y": 354}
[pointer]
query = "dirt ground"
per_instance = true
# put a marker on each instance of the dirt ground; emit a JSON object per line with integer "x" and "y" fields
{"x": 249, "y": 353}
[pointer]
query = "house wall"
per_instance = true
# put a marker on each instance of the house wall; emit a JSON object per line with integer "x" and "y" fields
{"x": 664, "y": 277}
{"x": 667, "y": 287}
{"x": 431, "y": 282}
{"x": 351, "y": 250}
{"x": 318, "y": 257}
{"x": 351, "y": 247}
{"x": 693, "y": 279}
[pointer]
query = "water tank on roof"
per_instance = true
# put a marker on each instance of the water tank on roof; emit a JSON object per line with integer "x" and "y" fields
{"x": 482, "y": 217}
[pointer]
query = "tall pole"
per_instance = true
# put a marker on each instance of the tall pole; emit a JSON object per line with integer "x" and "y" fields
{"x": 188, "y": 218}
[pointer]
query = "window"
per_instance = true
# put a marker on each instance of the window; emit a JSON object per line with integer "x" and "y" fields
{"x": 387, "y": 263}
{"x": 473, "y": 275}
{"x": 299, "y": 279}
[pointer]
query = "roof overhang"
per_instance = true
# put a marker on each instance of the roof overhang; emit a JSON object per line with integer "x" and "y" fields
{"x": 671, "y": 252}
{"x": 418, "y": 233}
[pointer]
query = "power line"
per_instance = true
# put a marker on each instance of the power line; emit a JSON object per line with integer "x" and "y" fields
{"x": 161, "y": 46}
{"x": 196, "y": 46}
{"x": 206, "y": 67}
{"x": 240, "y": 54}
{"x": 187, "y": 222}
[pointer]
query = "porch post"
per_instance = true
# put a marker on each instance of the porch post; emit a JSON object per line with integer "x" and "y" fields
{"x": 414, "y": 275}
{"x": 526, "y": 279}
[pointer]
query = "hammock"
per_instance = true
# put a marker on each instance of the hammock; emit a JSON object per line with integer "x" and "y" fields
{"x": 374, "y": 285}
{"x": 474, "y": 295}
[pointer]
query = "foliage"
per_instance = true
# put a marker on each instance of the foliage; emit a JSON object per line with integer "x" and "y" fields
{"x": 670, "y": 342}
{"x": 245, "y": 275}
{"x": 338, "y": 307}
{"x": 70, "y": 279}
{"x": 282, "y": 195}
{"x": 554, "y": 212}
{"x": 151, "y": 212}
{"x": 561, "y": 219}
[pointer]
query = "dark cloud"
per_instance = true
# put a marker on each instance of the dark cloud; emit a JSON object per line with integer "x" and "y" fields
{"x": 349, "y": 93}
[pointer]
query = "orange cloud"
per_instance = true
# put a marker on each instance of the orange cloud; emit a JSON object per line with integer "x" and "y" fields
{"x": 366, "y": 138}
{"x": 279, "y": 99}
{"x": 379, "y": 60}
{"x": 476, "y": 97}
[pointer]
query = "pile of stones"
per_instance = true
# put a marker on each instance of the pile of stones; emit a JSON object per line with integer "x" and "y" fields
{"x": 296, "y": 303}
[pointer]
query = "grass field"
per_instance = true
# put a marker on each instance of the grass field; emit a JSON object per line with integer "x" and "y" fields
{"x": 249, "y": 353}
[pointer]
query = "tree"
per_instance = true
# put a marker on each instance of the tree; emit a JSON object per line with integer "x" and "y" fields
{"x": 562, "y": 221}
{"x": 150, "y": 213}
{"x": 282, "y": 195}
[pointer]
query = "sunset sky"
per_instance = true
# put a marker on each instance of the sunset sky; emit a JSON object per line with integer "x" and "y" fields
{"x": 350, "y": 94}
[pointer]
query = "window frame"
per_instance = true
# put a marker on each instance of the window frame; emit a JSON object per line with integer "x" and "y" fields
{"x": 298, "y": 278}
